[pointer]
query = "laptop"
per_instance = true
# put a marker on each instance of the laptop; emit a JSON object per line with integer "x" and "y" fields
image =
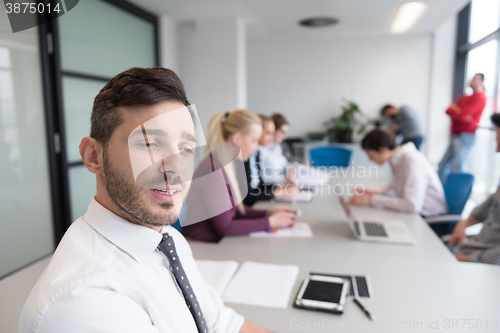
{"x": 394, "y": 231}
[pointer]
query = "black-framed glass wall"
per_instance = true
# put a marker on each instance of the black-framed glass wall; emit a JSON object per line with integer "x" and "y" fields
{"x": 478, "y": 51}
{"x": 81, "y": 51}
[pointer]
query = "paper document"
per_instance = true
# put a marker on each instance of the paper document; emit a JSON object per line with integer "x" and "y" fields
{"x": 260, "y": 284}
{"x": 311, "y": 176}
{"x": 299, "y": 230}
{"x": 217, "y": 273}
{"x": 302, "y": 196}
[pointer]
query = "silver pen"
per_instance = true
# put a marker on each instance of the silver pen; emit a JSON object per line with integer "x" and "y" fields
{"x": 356, "y": 300}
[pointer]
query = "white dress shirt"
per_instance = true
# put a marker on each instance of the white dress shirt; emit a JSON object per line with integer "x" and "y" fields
{"x": 107, "y": 275}
{"x": 273, "y": 164}
{"x": 415, "y": 185}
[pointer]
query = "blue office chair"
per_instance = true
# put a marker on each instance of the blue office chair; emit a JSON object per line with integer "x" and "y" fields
{"x": 330, "y": 157}
{"x": 457, "y": 190}
{"x": 177, "y": 225}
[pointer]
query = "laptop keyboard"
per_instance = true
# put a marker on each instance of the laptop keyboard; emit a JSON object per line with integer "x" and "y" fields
{"x": 375, "y": 229}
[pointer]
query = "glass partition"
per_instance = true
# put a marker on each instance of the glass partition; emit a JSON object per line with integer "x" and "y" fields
{"x": 26, "y": 227}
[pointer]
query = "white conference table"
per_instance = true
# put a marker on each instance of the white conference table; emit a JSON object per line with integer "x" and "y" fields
{"x": 414, "y": 288}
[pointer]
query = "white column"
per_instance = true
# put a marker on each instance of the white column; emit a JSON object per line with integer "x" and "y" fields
{"x": 169, "y": 45}
{"x": 220, "y": 66}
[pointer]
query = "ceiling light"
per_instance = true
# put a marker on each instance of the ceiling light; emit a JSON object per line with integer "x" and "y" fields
{"x": 318, "y": 22}
{"x": 406, "y": 16}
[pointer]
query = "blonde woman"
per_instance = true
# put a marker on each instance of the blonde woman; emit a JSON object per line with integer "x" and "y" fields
{"x": 244, "y": 129}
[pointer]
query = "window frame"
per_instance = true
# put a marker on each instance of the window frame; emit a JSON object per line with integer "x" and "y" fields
{"x": 52, "y": 75}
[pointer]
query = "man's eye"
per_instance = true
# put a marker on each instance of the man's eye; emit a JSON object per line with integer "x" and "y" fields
{"x": 148, "y": 144}
{"x": 187, "y": 150}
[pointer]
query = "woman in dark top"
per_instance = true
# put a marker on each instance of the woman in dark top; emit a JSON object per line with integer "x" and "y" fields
{"x": 214, "y": 204}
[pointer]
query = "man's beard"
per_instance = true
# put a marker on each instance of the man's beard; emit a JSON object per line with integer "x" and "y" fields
{"x": 126, "y": 196}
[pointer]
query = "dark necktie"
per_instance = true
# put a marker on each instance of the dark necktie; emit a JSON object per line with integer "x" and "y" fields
{"x": 167, "y": 246}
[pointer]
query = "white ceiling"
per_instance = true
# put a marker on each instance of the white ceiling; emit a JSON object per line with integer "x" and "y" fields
{"x": 278, "y": 18}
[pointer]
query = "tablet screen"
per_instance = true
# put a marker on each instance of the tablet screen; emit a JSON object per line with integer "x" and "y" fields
{"x": 323, "y": 291}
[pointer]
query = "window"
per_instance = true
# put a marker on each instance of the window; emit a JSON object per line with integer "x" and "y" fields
{"x": 92, "y": 43}
{"x": 478, "y": 52}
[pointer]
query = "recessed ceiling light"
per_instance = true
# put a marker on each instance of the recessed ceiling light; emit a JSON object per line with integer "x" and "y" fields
{"x": 406, "y": 16}
{"x": 318, "y": 22}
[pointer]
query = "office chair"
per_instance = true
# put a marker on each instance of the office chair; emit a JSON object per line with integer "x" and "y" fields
{"x": 457, "y": 190}
{"x": 330, "y": 156}
{"x": 177, "y": 225}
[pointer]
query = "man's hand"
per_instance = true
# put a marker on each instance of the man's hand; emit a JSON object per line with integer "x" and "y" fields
{"x": 394, "y": 127}
{"x": 249, "y": 327}
{"x": 458, "y": 235}
{"x": 455, "y": 108}
{"x": 364, "y": 199}
{"x": 461, "y": 257}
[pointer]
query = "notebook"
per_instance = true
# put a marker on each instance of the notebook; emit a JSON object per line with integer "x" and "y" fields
{"x": 299, "y": 230}
{"x": 259, "y": 284}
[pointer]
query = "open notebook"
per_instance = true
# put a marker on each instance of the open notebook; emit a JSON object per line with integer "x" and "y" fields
{"x": 299, "y": 230}
{"x": 302, "y": 196}
{"x": 261, "y": 284}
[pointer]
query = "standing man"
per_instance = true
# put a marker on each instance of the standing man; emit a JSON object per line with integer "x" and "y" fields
{"x": 404, "y": 121}
{"x": 465, "y": 114}
{"x": 122, "y": 267}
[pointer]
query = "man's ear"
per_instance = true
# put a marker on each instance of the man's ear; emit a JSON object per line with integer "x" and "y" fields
{"x": 91, "y": 154}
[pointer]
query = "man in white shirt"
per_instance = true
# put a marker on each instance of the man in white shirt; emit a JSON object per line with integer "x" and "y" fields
{"x": 108, "y": 273}
{"x": 415, "y": 185}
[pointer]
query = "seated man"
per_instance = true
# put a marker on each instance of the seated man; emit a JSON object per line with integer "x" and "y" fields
{"x": 485, "y": 247}
{"x": 404, "y": 121}
{"x": 122, "y": 267}
{"x": 415, "y": 185}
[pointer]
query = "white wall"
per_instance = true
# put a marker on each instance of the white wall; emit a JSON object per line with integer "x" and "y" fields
{"x": 441, "y": 89}
{"x": 306, "y": 80}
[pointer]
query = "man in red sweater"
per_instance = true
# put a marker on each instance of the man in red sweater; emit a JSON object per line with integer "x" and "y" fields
{"x": 465, "y": 114}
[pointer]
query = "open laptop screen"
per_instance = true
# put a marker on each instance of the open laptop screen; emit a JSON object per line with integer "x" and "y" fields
{"x": 350, "y": 218}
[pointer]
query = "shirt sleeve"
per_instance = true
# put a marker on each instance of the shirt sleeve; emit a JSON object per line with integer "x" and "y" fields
{"x": 481, "y": 211}
{"x": 404, "y": 121}
{"x": 472, "y": 109}
{"x": 96, "y": 310}
{"x": 490, "y": 256}
{"x": 414, "y": 190}
{"x": 451, "y": 112}
{"x": 225, "y": 320}
{"x": 232, "y": 224}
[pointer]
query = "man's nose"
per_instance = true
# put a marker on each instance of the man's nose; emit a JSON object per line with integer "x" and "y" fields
{"x": 172, "y": 164}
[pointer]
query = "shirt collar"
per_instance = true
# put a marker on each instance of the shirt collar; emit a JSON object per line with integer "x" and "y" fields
{"x": 407, "y": 147}
{"x": 135, "y": 240}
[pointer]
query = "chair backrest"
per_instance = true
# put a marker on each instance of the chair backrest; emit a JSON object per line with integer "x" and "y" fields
{"x": 330, "y": 157}
{"x": 457, "y": 190}
{"x": 177, "y": 225}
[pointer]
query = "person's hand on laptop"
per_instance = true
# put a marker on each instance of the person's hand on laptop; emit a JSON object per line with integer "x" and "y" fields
{"x": 458, "y": 235}
{"x": 364, "y": 199}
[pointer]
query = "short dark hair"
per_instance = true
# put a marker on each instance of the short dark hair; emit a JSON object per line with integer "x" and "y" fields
{"x": 385, "y": 108}
{"x": 495, "y": 118}
{"x": 279, "y": 120}
{"x": 481, "y": 75}
{"x": 377, "y": 139}
{"x": 136, "y": 86}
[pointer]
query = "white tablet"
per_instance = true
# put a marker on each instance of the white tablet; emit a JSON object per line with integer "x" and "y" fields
{"x": 323, "y": 293}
